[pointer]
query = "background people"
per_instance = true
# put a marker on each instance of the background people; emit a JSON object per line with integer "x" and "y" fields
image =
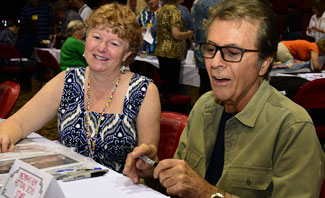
{"x": 292, "y": 23}
{"x": 103, "y": 110}
{"x": 200, "y": 12}
{"x": 244, "y": 138}
{"x": 83, "y": 9}
{"x": 146, "y": 18}
{"x": 73, "y": 47}
{"x": 10, "y": 33}
{"x": 301, "y": 50}
{"x": 170, "y": 48}
{"x": 41, "y": 14}
{"x": 316, "y": 27}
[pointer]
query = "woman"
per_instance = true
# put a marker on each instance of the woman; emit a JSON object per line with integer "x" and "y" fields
{"x": 316, "y": 27}
{"x": 171, "y": 45}
{"x": 103, "y": 110}
{"x": 73, "y": 48}
{"x": 301, "y": 50}
{"x": 146, "y": 18}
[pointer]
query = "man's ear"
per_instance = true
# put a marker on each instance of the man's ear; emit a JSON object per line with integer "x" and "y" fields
{"x": 265, "y": 65}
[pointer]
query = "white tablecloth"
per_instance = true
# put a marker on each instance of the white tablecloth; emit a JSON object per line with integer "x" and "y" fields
{"x": 189, "y": 74}
{"x": 112, "y": 184}
{"x": 55, "y": 52}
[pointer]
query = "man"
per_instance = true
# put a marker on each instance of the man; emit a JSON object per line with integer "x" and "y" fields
{"x": 83, "y": 9}
{"x": 41, "y": 14}
{"x": 244, "y": 138}
{"x": 9, "y": 34}
{"x": 200, "y": 12}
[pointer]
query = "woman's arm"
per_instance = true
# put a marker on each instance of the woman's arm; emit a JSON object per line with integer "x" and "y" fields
{"x": 314, "y": 60}
{"x": 148, "y": 120}
{"x": 33, "y": 115}
{"x": 177, "y": 34}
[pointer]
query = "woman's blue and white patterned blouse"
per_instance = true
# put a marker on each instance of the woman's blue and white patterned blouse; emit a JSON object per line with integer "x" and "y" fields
{"x": 117, "y": 134}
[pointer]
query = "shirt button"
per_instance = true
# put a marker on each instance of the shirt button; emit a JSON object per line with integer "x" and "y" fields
{"x": 248, "y": 182}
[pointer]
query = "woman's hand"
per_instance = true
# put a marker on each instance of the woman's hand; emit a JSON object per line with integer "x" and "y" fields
{"x": 6, "y": 144}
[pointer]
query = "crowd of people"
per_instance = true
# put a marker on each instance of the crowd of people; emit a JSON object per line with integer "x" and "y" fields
{"x": 243, "y": 138}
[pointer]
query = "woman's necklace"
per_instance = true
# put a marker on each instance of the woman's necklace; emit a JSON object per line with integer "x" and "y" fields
{"x": 91, "y": 144}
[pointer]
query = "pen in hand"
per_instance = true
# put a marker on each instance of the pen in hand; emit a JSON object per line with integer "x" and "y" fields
{"x": 148, "y": 160}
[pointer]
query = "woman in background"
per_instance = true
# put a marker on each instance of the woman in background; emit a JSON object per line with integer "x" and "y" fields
{"x": 146, "y": 18}
{"x": 103, "y": 110}
{"x": 171, "y": 45}
{"x": 73, "y": 48}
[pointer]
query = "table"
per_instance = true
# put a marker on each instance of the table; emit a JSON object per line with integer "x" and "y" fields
{"x": 112, "y": 183}
{"x": 55, "y": 52}
{"x": 189, "y": 74}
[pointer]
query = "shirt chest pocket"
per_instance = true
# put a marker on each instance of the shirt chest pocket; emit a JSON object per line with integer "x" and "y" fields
{"x": 254, "y": 178}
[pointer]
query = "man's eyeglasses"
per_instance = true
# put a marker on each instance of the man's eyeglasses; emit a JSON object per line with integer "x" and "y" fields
{"x": 228, "y": 53}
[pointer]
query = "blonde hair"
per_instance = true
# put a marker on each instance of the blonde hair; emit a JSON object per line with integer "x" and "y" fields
{"x": 74, "y": 25}
{"x": 123, "y": 22}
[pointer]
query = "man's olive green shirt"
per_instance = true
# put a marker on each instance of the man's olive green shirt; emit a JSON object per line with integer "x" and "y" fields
{"x": 271, "y": 147}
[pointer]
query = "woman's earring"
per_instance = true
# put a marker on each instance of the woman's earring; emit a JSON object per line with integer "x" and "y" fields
{"x": 83, "y": 54}
{"x": 123, "y": 68}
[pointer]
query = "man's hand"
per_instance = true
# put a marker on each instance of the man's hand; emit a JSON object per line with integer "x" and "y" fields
{"x": 6, "y": 144}
{"x": 135, "y": 168}
{"x": 180, "y": 179}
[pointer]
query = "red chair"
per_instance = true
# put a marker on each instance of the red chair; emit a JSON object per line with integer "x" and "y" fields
{"x": 52, "y": 67}
{"x": 322, "y": 193}
{"x": 311, "y": 96}
{"x": 171, "y": 127}
{"x": 9, "y": 92}
{"x": 18, "y": 67}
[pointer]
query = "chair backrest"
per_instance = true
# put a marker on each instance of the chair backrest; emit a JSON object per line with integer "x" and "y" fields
{"x": 322, "y": 193}
{"x": 312, "y": 95}
{"x": 48, "y": 60}
{"x": 9, "y": 51}
{"x": 290, "y": 84}
{"x": 9, "y": 92}
{"x": 171, "y": 127}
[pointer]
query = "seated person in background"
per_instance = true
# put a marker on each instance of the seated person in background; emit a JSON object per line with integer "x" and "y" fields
{"x": 301, "y": 50}
{"x": 73, "y": 48}
{"x": 146, "y": 18}
{"x": 103, "y": 110}
{"x": 243, "y": 138}
{"x": 9, "y": 34}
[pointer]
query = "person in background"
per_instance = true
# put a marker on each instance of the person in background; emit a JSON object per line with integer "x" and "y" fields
{"x": 133, "y": 5}
{"x": 316, "y": 27}
{"x": 301, "y": 50}
{"x": 41, "y": 13}
{"x": 83, "y": 9}
{"x": 170, "y": 48}
{"x": 146, "y": 18}
{"x": 9, "y": 34}
{"x": 292, "y": 23}
{"x": 200, "y": 12}
{"x": 65, "y": 16}
{"x": 103, "y": 110}
{"x": 243, "y": 138}
{"x": 73, "y": 47}
{"x": 187, "y": 21}
{"x": 27, "y": 40}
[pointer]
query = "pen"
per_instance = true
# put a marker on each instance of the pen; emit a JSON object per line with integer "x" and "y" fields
{"x": 77, "y": 169}
{"x": 84, "y": 175}
{"x": 148, "y": 160}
